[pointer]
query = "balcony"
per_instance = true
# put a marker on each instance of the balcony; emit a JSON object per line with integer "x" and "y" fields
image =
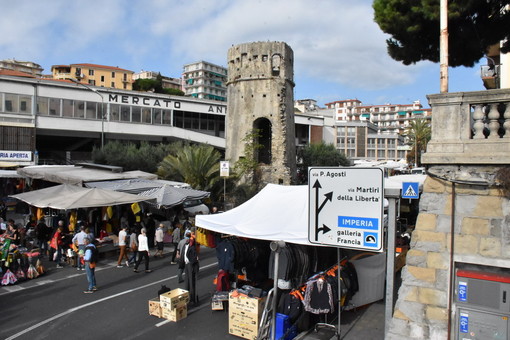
{"x": 470, "y": 128}
{"x": 490, "y": 76}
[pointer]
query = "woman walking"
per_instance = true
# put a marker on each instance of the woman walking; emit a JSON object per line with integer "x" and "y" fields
{"x": 143, "y": 251}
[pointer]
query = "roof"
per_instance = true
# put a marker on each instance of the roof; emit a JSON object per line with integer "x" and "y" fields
{"x": 4, "y": 72}
{"x": 70, "y": 174}
{"x": 102, "y": 66}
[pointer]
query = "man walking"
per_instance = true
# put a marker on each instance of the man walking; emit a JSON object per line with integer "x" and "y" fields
{"x": 176, "y": 238}
{"x": 190, "y": 254}
{"x": 180, "y": 255}
{"x": 159, "y": 238}
{"x": 79, "y": 241}
{"x": 143, "y": 251}
{"x": 122, "y": 246}
{"x": 90, "y": 258}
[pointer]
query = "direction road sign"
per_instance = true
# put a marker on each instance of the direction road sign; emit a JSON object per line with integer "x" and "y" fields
{"x": 411, "y": 190}
{"x": 346, "y": 207}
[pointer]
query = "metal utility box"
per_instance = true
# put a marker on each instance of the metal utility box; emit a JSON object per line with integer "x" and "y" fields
{"x": 483, "y": 305}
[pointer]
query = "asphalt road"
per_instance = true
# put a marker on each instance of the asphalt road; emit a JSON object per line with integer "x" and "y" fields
{"x": 54, "y": 306}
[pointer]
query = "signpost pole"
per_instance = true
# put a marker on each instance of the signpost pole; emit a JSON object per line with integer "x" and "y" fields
{"x": 392, "y": 195}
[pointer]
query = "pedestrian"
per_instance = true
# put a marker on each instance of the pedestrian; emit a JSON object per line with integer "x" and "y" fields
{"x": 159, "y": 237}
{"x": 79, "y": 242}
{"x": 42, "y": 234}
{"x": 122, "y": 246}
{"x": 12, "y": 233}
{"x": 133, "y": 246}
{"x": 176, "y": 238}
{"x": 56, "y": 243}
{"x": 150, "y": 225}
{"x": 90, "y": 258}
{"x": 191, "y": 266}
{"x": 143, "y": 251}
{"x": 180, "y": 255}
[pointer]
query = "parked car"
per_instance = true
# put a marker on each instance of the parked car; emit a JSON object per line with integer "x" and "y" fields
{"x": 194, "y": 207}
{"x": 418, "y": 171}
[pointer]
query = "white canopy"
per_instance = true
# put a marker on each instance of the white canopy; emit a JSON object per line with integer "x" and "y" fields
{"x": 276, "y": 213}
{"x": 67, "y": 196}
{"x": 168, "y": 196}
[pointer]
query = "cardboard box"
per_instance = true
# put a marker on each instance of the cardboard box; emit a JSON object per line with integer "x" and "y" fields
{"x": 155, "y": 307}
{"x": 174, "y": 314}
{"x": 244, "y": 315}
{"x": 174, "y": 299}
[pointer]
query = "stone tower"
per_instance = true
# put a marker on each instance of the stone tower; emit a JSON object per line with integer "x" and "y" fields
{"x": 261, "y": 96}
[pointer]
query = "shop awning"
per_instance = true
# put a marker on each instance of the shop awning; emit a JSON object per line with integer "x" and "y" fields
{"x": 67, "y": 196}
{"x": 133, "y": 186}
{"x": 77, "y": 175}
{"x": 168, "y": 196}
{"x": 276, "y": 213}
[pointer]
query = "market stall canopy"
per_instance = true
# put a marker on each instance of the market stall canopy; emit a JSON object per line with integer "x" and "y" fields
{"x": 396, "y": 181}
{"x": 70, "y": 174}
{"x": 67, "y": 196}
{"x": 276, "y": 213}
{"x": 133, "y": 186}
{"x": 9, "y": 174}
{"x": 168, "y": 196}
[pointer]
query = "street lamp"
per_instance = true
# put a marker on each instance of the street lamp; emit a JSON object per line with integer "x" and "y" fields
{"x": 102, "y": 107}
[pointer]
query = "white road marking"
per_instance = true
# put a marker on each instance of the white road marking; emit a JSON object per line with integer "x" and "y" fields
{"x": 74, "y": 309}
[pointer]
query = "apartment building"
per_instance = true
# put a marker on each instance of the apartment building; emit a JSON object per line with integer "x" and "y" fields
{"x": 205, "y": 80}
{"x": 167, "y": 82}
{"x": 388, "y": 118}
{"x": 28, "y": 67}
{"x": 95, "y": 75}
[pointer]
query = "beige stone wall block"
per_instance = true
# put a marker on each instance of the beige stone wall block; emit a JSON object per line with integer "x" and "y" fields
{"x": 437, "y": 260}
{"x": 423, "y": 274}
{"x": 489, "y": 206}
{"x": 426, "y": 221}
{"x": 399, "y": 315}
{"x": 429, "y": 236}
{"x": 436, "y": 313}
{"x": 475, "y": 226}
{"x": 448, "y": 206}
{"x": 415, "y": 253}
{"x": 471, "y": 190}
{"x": 429, "y": 296}
{"x": 433, "y": 185}
{"x": 465, "y": 244}
{"x": 490, "y": 247}
{"x": 412, "y": 295}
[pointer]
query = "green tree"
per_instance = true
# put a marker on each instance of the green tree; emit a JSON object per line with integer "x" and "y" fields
{"x": 319, "y": 154}
{"x": 131, "y": 156}
{"x": 155, "y": 85}
{"x": 247, "y": 166}
{"x": 473, "y": 26}
{"x": 418, "y": 134}
{"x": 198, "y": 165}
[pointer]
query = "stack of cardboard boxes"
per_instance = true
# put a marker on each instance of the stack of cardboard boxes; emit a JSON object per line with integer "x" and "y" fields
{"x": 172, "y": 306}
{"x": 244, "y": 315}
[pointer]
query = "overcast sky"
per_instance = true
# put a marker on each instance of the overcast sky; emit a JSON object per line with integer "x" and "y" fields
{"x": 339, "y": 51}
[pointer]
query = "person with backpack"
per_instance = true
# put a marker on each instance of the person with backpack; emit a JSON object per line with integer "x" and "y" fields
{"x": 90, "y": 257}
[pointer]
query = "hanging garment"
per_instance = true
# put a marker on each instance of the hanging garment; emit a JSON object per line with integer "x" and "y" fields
{"x": 319, "y": 297}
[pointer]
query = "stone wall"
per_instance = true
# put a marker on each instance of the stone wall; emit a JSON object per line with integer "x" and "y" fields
{"x": 481, "y": 237}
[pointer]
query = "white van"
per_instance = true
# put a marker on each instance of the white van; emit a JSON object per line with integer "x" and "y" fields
{"x": 418, "y": 171}
{"x": 194, "y": 207}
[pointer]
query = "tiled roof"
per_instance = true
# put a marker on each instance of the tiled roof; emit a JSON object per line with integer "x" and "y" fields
{"x": 15, "y": 73}
{"x": 101, "y": 66}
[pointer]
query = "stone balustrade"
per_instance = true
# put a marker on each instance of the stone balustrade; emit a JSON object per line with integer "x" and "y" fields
{"x": 470, "y": 128}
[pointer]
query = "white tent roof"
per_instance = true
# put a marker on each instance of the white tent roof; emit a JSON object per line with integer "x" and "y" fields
{"x": 168, "y": 196}
{"x": 70, "y": 174}
{"x": 67, "y": 196}
{"x": 276, "y": 213}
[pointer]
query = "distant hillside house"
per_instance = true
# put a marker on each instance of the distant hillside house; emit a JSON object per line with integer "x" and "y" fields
{"x": 21, "y": 66}
{"x": 95, "y": 75}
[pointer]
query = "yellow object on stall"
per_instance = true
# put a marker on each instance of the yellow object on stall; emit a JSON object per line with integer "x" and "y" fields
{"x": 136, "y": 208}
{"x": 72, "y": 220}
{"x": 109, "y": 211}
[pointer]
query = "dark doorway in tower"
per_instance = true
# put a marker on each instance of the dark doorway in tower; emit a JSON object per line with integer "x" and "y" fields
{"x": 263, "y": 154}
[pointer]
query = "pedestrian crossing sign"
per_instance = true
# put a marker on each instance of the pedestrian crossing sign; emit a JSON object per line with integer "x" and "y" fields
{"x": 411, "y": 190}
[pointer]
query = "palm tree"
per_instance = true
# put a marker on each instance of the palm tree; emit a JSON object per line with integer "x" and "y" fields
{"x": 198, "y": 165}
{"x": 418, "y": 135}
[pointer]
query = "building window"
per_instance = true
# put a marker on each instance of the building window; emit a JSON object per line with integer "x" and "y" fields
{"x": 102, "y": 79}
{"x": 91, "y": 72}
{"x": 92, "y": 82}
{"x": 91, "y": 109}
{"x": 54, "y": 107}
{"x": 25, "y": 104}
{"x": 42, "y": 106}
{"x": 113, "y": 84}
{"x": 11, "y": 103}
{"x": 68, "y": 108}
{"x": 79, "y": 109}
{"x": 113, "y": 74}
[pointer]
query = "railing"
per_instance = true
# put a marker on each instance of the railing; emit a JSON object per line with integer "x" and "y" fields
{"x": 470, "y": 128}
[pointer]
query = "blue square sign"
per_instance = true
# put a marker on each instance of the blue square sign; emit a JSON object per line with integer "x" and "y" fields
{"x": 411, "y": 190}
